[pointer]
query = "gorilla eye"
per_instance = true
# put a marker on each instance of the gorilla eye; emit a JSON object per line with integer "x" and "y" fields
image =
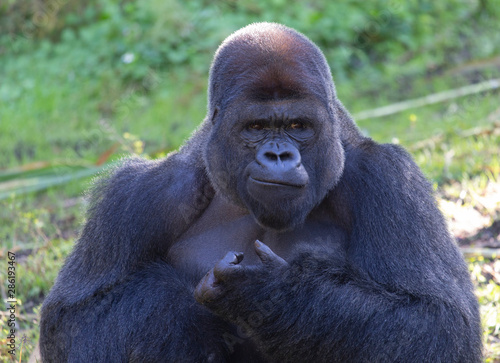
{"x": 256, "y": 126}
{"x": 296, "y": 125}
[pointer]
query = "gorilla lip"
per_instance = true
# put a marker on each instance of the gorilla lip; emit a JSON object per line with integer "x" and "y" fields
{"x": 277, "y": 183}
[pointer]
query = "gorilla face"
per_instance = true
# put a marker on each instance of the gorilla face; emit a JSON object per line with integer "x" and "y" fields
{"x": 274, "y": 146}
{"x": 279, "y": 157}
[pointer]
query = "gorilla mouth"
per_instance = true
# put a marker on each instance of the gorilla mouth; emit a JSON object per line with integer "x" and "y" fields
{"x": 277, "y": 183}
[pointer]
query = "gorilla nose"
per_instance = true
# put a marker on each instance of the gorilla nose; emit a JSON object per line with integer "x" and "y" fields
{"x": 282, "y": 155}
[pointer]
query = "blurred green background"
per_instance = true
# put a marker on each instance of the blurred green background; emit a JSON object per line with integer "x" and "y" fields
{"x": 83, "y": 84}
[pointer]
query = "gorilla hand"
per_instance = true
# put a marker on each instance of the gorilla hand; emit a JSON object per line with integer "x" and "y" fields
{"x": 228, "y": 274}
{"x": 211, "y": 285}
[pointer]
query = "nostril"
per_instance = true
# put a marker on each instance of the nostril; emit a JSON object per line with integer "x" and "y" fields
{"x": 286, "y": 156}
{"x": 271, "y": 156}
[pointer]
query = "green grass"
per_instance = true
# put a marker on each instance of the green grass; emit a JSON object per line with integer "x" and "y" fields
{"x": 489, "y": 299}
{"x": 40, "y": 230}
{"x": 449, "y": 140}
{"x": 56, "y": 123}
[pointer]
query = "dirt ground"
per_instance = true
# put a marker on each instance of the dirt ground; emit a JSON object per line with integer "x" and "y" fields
{"x": 473, "y": 216}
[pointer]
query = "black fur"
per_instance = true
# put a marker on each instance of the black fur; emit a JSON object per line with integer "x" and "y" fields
{"x": 369, "y": 271}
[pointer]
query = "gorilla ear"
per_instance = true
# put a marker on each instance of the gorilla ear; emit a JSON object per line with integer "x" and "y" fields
{"x": 349, "y": 130}
{"x": 214, "y": 115}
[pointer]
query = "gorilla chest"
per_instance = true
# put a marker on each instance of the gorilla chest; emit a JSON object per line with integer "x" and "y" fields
{"x": 199, "y": 249}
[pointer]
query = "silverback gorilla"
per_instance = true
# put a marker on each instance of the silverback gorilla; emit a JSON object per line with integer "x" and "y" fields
{"x": 277, "y": 233}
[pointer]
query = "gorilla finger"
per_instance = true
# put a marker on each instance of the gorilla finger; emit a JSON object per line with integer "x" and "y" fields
{"x": 231, "y": 258}
{"x": 228, "y": 265}
{"x": 207, "y": 289}
{"x": 267, "y": 256}
{"x": 207, "y": 294}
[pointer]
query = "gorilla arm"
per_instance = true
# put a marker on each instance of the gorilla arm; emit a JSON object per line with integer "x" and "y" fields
{"x": 116, "y": 281}
{"x": 133, "y": 218}
{"x": 399, "y": 292}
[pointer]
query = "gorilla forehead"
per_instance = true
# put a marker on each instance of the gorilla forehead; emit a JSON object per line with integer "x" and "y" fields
{"x": 270, "y": 60}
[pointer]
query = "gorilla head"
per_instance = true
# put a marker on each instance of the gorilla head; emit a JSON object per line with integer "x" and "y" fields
{"x": 274, "y": 146}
